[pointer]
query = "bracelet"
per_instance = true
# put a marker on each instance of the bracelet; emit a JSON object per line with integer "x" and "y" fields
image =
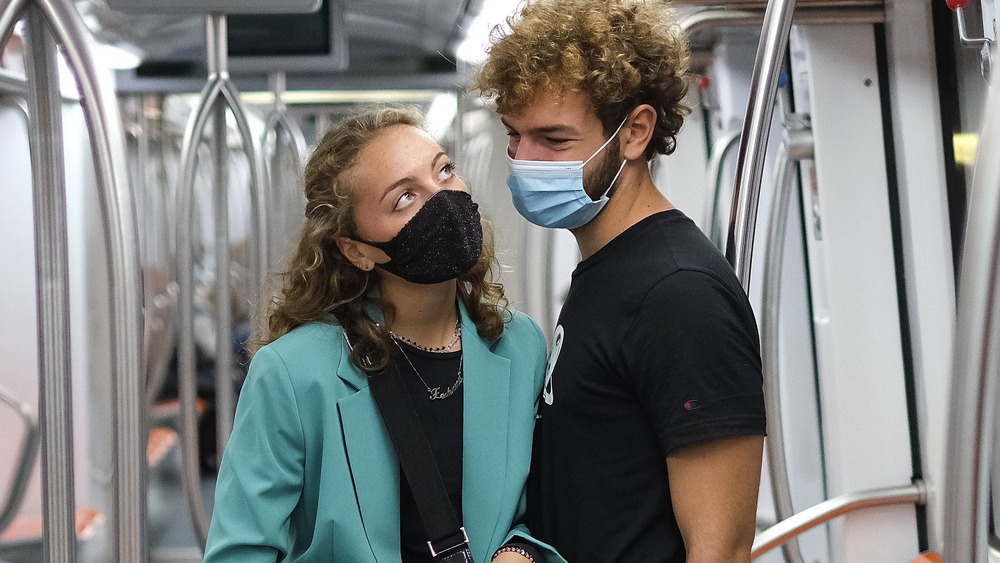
{"x": 513, "y": 549}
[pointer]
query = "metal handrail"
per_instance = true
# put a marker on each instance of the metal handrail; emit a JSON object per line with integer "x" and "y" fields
{"x": 276, "y": 120}
{"x": 976, "y": 356}
{"x": 58, "y": 21}
{"x": 984, "y": 43}
{"x": 52, "y": 283}
{"x": 218, "y": 94}
{"x": 716, "y": 16}
{"x": 720, "y": 152}
{"x": 11, "y": 83}
{"x": 797, "y": 145}
{"x": 160, "y": 308}
{"x": 915, "y": 493}
{"x": 753, "y": 142}
{"x": 26, "y": 456}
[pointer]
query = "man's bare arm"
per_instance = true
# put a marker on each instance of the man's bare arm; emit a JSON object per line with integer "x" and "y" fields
{"x": 714, "y": 486}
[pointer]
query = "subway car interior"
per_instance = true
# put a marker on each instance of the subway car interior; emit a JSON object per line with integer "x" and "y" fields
{"x": 844, "y": 154}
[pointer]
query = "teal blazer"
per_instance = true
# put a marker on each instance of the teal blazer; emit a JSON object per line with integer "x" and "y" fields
{"x": 309, "y": 473}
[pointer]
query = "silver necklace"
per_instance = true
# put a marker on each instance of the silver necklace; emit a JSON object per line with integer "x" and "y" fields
{"x": 437, "y": 349}
{"x": 435, "y": 392}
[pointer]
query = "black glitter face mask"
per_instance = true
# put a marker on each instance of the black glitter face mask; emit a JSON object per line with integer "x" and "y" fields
{"x": 442, "y": 241}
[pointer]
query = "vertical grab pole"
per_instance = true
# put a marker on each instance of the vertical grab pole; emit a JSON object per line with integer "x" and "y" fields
{"x": 52, "y": 277}
{"x": 283, "y": 199}
{"x": 225, "y": 402}
{"x": 797, "y": 146}
{"x": 753, "y": 142}
{"x": 121, "y": 236}
{"x": 720, "y": 151}
{"x": 218, "y": 94}
{"x": 190, "y": 474}
{"x": 976, "y": 357}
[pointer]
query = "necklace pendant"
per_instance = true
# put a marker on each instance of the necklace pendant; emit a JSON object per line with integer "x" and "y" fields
{"x": 436, "y": 393}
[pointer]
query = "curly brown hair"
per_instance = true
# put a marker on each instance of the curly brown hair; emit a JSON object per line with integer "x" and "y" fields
{"x": 322, "y": 285}
{"x": 621, "y": 53}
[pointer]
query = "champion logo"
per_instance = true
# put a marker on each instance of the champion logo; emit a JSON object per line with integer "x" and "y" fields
{"x": 692, "y": 405}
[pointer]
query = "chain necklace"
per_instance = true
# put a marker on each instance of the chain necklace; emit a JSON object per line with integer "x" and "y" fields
{"x": 437, "y": 349}
{"x": 434, "y": 392}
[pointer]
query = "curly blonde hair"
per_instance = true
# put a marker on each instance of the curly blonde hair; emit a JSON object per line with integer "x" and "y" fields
{"x": 621, "y": 53}
{"x": 321, "y": 284}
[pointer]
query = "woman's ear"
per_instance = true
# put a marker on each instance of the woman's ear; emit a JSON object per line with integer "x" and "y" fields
{"x": 638, "y": 131}
{"x": 355, "y": 252}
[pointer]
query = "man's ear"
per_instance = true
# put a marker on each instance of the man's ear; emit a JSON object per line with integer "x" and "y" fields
{"x": 638, "y": 131}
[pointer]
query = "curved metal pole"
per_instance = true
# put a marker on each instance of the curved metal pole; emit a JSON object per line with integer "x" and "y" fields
{"x": 26, "y": 456}
{"x": 797, "y": 147}
{"x": 12, "y": 84}
{"x": 718, "y": 17}
{"x": 10, "y": 13}
{"x": 275, "y": 121}
{"x": 753, "y": 144}
{"x": 827, "y": 510}
{"x": 713, "y": 17}
{"x": 976, "y": 356}
{"x": 278, "y": 116}
{"x": 218, "y": 94}
{"x": 720, "y": 151}
{"x": 120, "y": 229}
{"x": 125, "y": 291}
{"x": 258, "y": 246}
{"x": 191, "y": 473}
{"x": 48, "y": 178}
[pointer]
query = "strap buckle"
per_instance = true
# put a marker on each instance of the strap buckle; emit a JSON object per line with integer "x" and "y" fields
{"x": 451, "y": 543}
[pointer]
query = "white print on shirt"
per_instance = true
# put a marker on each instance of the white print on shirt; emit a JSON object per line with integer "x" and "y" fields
{"x": 550, "y": 364}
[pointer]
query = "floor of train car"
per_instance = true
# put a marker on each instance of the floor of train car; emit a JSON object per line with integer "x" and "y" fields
{"x": 171, "y": 535}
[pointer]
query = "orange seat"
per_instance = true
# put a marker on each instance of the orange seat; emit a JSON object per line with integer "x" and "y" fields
{"x": 928, "y": 557}
{"x": 25, "y": 528}
{"x": 160, "y": 441}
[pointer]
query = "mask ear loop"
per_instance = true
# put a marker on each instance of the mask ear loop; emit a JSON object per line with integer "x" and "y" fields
{"x": 606, "y": 143}
{"x": 615, "y": 179}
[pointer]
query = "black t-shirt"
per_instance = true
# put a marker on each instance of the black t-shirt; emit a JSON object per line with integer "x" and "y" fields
{"x": 656, "y": 348}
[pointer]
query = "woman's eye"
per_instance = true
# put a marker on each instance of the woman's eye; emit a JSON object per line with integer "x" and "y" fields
{"x": 405, "y": 199}
{"x": 447, "y": 171}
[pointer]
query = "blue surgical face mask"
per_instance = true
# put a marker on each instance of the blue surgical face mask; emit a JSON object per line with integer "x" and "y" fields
{"x": 550, "y": 193}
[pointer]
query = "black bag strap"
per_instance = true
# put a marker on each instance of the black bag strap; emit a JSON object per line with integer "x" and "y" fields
{"x": 448, "y": 542}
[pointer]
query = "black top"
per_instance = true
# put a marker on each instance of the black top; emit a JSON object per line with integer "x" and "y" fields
{"x": 442, "y": 423}
{"x": 656, "y": 348}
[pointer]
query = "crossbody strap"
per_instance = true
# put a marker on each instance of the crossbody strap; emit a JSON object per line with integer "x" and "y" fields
{"x": 448, "y": 538}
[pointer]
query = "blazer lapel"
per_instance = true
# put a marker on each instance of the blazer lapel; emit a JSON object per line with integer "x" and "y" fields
{"x": 484, "y": 467}
{"x": 372, "y": 462}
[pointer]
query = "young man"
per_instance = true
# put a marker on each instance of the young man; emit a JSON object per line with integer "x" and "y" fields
{"x": 649, "y": 440}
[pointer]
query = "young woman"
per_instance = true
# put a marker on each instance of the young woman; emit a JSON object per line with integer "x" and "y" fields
{"x": 391, "y": 269}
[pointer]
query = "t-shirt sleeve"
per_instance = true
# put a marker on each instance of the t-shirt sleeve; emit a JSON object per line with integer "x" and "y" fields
{"x": 693, "y": 356}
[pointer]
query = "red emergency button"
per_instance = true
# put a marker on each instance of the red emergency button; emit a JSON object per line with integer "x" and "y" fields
{"x": 956, "y": 4}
